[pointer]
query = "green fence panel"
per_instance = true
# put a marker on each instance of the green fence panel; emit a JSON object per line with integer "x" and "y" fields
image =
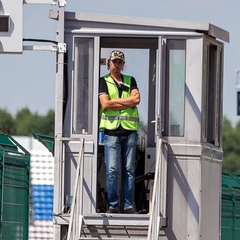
{"x": 227, "y": 215}
{"x": 230, "y": 229}
{"x": 47, "y": 141}
{"x": 237, "y": 216}
{"x": 14, "y": 189}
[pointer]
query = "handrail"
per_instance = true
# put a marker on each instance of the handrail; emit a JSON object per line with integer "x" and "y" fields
{"x": 76, "y": 208}
{"x": 158, "y": 207}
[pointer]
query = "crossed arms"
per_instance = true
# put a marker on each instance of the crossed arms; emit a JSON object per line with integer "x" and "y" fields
{"x": 120, "y": 103}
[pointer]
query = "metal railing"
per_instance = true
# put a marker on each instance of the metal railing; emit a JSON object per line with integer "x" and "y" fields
{"x": 75, "y": 223}
{"x": 159, "y": 196}
{"x": 158, "y": 206}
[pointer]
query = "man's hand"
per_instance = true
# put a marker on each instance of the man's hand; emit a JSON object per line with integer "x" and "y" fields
{"x": 134, "y": 92}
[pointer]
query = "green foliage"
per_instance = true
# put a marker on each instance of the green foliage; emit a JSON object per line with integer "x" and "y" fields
{"x": 47, "y": 124}
{"x": 7, "y": 121}
{"x": 231, "y": 147}
{"x": 26, "y": 122}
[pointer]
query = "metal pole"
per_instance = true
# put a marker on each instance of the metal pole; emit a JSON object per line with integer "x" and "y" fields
{"x": 59, "y": 173}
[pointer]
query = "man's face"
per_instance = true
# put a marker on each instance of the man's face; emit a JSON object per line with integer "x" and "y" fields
{"x": 116, "y": 65}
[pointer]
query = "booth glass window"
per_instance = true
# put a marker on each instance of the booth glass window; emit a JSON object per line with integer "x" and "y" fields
{"x": 212, "y": 93}
{"x": 175, "y": 86}
{"x": 83, "y": 86}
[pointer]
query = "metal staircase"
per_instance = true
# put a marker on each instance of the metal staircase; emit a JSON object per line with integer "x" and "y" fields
{"x": 118, "y": 226}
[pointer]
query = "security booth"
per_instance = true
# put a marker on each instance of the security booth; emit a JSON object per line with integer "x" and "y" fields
{"x": 178, "y": 66}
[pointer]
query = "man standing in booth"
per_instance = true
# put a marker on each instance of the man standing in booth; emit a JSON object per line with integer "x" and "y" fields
{"x": 119, "y": 96}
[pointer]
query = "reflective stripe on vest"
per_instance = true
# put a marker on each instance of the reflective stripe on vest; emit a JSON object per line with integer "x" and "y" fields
{"x": 112, "y": 118}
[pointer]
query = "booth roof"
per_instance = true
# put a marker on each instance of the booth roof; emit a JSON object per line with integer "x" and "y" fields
{"x": 154, "y": 24}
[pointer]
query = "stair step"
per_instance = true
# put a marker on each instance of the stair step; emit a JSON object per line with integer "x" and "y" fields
{"x": 114, "y": 232}
{"x": 107, "y": 219}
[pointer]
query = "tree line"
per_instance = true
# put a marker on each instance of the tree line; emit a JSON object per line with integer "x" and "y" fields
{"x": 25, "y": 122}
{"x": 231, "y": 147}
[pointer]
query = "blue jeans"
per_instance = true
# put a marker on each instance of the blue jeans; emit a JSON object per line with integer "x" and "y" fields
{"x": 116, "y": 147}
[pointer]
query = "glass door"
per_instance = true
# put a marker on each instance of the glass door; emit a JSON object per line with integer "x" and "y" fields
{"x": 140, "y": 55}
{"x": 84, "y": 121}
{"x": 140, "y": 62}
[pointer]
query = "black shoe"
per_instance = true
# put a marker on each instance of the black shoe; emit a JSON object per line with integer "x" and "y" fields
{"x": 130, "y": 211}
{"x": 112, "y": 210}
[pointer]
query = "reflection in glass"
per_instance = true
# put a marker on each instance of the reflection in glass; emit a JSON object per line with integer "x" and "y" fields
{"x": 176, "y": 73}
{"x": 83, "y": 86}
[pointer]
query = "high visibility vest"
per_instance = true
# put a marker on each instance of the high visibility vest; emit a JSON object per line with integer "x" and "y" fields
{"x": 111, "y": 119}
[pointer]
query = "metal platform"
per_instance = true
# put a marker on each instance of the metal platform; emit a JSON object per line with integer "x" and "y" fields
{"x": 107, "y": 219}
{"x": 114, "y": 226}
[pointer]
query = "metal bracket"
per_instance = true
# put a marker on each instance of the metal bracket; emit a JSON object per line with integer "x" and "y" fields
{"x": 62, "y": 47}
{"x": 52, "y": 2}
{"x": 52, "y": 48}
{"x": 62, "y": 3}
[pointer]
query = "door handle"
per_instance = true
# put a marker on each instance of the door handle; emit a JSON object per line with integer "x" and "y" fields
{"x": 157, "y": 125}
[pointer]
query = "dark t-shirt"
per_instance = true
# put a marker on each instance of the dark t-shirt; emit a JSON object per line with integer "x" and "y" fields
{"x": 103, "y": 89}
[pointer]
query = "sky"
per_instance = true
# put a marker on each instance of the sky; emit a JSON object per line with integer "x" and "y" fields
{"x": 28, "y": 79}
